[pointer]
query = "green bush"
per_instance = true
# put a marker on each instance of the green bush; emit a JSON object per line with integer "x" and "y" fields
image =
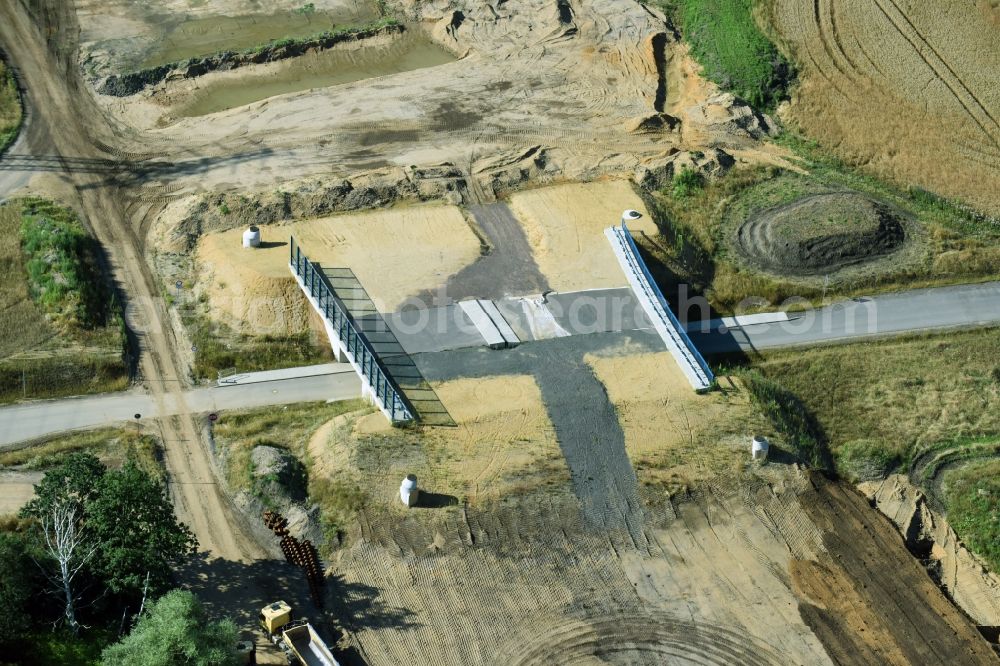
{"x": 176, "y": 630}
{"x": 687, "y": 182}
{"x": 731, "y": 49}
{"x": 972, "y": 502}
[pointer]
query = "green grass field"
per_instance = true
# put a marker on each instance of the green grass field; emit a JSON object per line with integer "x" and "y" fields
{"x": 10, "y": 107}
{"x": 913, "y": 405}
{"x": 114, "y": 446}
{"x": 902, "y": 394}
{"x": 972, "y": 500}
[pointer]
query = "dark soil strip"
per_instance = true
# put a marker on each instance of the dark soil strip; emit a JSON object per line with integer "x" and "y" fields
{"x": 508, "y": 269}
{"x": 585, "y": 422}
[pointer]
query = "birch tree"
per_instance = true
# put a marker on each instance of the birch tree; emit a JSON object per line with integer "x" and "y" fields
{"x": 67, "y": 543}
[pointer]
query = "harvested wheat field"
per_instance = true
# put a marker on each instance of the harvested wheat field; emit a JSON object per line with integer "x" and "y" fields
{"x": 907, "y": 89}
{"x": 565, "y": 227}
{"x": 417, "y": 248}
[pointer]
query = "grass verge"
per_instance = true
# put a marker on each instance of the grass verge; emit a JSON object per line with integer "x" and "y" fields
{"x": 11, "y": 113}
{"x": 790, "y": 417}
{"x": 972, "y": 501}
{"x": 288, "y": 427}
{"x": 61, "y": 329}
{"x": 114, "y": 446}
{"x": 900, "y": 394}
{"x": 218, "y": 349}
{"x": 946, "y": 244}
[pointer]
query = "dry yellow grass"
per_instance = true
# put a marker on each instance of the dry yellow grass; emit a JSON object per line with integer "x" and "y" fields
{"x": 395, "y": 254}
{"x": 565, "y": 227}
{"x": 908, "y": 89}
{"x": 900, "y": 394}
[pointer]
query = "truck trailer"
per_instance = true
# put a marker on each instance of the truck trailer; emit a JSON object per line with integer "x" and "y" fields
{"x": 296, "y": 638}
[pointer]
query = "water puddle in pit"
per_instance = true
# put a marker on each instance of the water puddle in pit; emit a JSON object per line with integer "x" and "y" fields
{"x": 211, "y": 34}
{"x": 409, "y": 51}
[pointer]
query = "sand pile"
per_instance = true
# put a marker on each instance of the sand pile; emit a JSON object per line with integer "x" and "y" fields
{"x": 821, "y": 234}
{"x": 394, "y": 254}
{"x": 565, "y": 227}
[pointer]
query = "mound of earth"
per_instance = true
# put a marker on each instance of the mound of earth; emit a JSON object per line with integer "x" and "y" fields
{"x": 821, "y": 234}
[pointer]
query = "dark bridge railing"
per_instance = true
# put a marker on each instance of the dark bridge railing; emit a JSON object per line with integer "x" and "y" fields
{"x": 357, "y": 347}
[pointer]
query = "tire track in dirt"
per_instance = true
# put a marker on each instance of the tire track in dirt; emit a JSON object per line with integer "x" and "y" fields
{"x": 651, "y": 638}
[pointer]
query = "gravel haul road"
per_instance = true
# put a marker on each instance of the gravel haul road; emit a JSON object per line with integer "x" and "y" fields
{"x": 40, "y": 40}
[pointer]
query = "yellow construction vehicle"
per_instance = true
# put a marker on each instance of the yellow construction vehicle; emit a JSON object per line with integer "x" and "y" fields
{"x": 296, "y": 638}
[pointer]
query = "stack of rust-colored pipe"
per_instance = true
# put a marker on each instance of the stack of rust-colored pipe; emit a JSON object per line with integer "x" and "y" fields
{"x": 302, "y": 554}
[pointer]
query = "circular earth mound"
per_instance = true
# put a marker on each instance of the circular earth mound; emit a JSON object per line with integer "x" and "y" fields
{"x": 821, "y": 234}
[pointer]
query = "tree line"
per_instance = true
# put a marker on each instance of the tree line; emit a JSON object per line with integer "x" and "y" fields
{"x": 96, "y": 544}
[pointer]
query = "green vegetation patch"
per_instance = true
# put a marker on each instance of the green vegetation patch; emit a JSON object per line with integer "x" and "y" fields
{"x": 176, "y": 630}
{"x": 286, "y": 427}
{"x": 732, "y": 50}
{"x": 61, "y": 328}
{"x": 790, "y": 417}
{"x": 900, "y": 394}
{"x": 700, "y": 246}
{"x": 11, "y": 112}
{"x": 972, "y": 501}
{"x": 62, "y": 261}
{"x": 113, "y": 446}
{"x": 218, "y": 349}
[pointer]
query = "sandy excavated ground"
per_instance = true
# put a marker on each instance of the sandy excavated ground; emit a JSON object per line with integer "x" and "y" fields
{"x": 569, "y": 79}
{"x": 907, "y": 88}
{"x": 974, "y": 588}
{"x": 395, "y": 254}
{"x": 671, "y": 432}
{"x": 565, "y": 227}
{"x": 16, "y": 489}
{"x": 503, "y": 442}
{"x": 740, "y": 574}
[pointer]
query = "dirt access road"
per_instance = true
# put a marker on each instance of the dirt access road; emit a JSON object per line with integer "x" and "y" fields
{"x": 39, "y": 38}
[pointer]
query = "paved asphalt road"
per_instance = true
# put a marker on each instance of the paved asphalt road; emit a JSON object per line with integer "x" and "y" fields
{"x": 965, "y": 306}
{"x": 34, "y": 419}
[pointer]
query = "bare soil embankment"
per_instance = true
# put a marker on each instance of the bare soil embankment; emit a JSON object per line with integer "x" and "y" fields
{"x": 929, "y": 536}
{"x": 518, "y": 105}
{"x": 902, "y": 88}
{"x": 794, "y": 570}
